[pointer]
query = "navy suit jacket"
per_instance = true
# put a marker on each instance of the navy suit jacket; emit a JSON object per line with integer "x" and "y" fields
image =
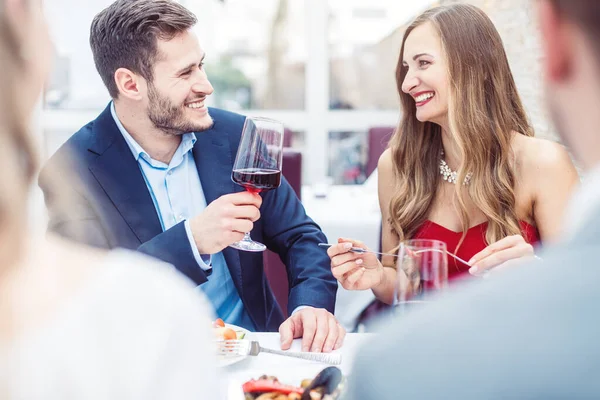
{"x": 107, "y": 204}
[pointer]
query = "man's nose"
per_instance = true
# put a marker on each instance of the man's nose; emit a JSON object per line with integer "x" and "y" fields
{"x": 203, "y": 85}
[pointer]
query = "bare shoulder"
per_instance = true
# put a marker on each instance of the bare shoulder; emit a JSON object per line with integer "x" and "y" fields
{"x": 385, "y": 163}
{"x": 537, "y": 158}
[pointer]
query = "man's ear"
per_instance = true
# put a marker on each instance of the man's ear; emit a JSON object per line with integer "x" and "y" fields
{"x": 556, "y": 43}
{"x": 130, "y": 85}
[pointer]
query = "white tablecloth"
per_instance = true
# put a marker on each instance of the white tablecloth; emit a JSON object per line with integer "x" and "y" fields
{"x": 350, "y": 212}
{"x": 288, "y": 370}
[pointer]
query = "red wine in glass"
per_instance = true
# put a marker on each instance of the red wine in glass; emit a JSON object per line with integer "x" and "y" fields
{"x": 257, "y": 165}
{"x": 257, "y": 180}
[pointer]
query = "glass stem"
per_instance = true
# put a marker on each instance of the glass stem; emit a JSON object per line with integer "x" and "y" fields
{"x": 247, "y": 237}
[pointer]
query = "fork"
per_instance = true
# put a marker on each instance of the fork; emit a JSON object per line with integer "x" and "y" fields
{"x": 360, "y": 250}
{"x": 234, "y": 348}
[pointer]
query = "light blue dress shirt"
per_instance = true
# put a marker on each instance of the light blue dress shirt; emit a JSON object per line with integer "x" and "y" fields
{"x": 177, "y": 195}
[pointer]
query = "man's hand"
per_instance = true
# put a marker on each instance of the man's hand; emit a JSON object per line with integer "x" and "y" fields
{"x": 318, "y": 328}
{"x": 225, "y": 221}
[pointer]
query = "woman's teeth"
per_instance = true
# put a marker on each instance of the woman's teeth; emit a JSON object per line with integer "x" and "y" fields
{"x": 423, "y": 97}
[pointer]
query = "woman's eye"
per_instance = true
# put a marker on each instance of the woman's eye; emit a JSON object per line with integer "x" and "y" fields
{"x": 423, "y": 63}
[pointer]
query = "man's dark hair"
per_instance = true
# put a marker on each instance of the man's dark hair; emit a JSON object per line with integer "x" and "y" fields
{"x": 586, "y": 14}
{"x": 126, "y": 34}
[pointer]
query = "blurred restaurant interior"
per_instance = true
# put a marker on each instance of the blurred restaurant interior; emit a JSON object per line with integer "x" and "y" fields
{"x": 326, "y": 69}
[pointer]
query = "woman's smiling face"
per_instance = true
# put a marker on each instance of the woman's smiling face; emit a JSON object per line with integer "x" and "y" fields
{"x": 426, "y": 79}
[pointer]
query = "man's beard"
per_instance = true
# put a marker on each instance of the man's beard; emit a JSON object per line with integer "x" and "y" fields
{"x": 169, "y": 117}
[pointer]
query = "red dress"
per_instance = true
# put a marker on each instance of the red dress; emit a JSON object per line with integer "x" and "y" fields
{"x": 474, "y": 242}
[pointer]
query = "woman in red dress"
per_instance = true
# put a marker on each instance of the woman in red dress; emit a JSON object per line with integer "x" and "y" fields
{"x": 463, "y": 165}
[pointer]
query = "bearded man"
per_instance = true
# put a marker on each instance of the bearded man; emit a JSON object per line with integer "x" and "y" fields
{"x": 154, "y": 174}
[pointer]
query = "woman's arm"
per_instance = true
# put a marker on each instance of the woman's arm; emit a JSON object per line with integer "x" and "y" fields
{"x": 386, "y": 184}
{"x": 363, "y": 271}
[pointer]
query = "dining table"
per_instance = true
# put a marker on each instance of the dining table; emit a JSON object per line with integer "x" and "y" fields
{"x": 288, "y": 370}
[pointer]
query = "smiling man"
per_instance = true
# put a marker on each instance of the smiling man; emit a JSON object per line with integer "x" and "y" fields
{"x": 155, "y": 175}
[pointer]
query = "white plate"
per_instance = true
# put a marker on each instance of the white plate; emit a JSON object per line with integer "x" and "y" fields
{"x": 225, "y": 361}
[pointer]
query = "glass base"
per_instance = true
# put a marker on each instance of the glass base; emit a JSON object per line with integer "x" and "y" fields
{"x": 248, "y": 245}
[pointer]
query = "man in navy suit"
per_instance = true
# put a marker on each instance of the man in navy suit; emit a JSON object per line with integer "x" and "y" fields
{"x": 154, "y": 175}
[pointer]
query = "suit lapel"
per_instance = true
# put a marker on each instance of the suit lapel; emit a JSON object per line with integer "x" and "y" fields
{"x": 117, "y": 171}
{"x": 212, "y": 153}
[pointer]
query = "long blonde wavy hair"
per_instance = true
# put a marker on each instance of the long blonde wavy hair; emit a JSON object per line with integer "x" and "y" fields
{"x": 18, "y": 161}
{"x": 484, "y": 109}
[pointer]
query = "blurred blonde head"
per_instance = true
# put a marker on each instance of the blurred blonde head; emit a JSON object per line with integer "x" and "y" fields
{"x": 482, "y": 109}
{"x": 24, "y": 58}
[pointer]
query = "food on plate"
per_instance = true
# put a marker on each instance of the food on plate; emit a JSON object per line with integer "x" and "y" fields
{"x": 223, "y": 332}
{"x": 325, "y": 386}
{"x": 326, "y": 382}
{"x": 219, "y": 323}
{"x": 269, "y": 387}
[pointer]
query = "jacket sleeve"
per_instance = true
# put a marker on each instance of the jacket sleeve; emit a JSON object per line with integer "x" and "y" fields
{"x": 174, "y": 247}
{"x": 295, "y": 237}
{"x": 71, "y": 215}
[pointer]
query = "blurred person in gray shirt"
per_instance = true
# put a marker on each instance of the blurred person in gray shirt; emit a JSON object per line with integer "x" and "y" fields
{"x": 526, "y": 332}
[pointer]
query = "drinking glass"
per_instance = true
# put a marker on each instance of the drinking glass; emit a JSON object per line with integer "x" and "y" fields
{"x": 422, "y": 267}
{"x": 257, "y": 166}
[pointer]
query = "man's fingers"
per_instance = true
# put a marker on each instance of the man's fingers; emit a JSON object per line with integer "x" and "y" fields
{"x": 251, "y": 213}
{"x": 241, "y": 225}
{"x": 341, "y": 336}
{"x": 309, "y": 329}
{"x": 233, "y": 237}
{"x": 332, "y": 334}
{"x": 286, "y": 333}
{"x": 318, "y": 328}
{"x": 321, "y": 332}
{"x": 244, "y": 198}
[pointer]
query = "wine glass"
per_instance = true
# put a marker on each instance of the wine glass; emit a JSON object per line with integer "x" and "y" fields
{"x": 257, "y": 166}
{"x": 422, "y": 267}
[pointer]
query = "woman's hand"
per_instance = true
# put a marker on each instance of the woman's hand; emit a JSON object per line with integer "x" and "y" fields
{"x": 355, "y": 271}
{"x": 509, "y": 250}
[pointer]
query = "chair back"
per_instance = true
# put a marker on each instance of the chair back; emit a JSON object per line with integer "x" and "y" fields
{"x": 378, "y": 139}
{"x": 287, "y": 137}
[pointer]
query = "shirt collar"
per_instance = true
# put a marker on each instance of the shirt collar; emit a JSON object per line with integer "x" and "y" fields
{"x": 187, "y": 142}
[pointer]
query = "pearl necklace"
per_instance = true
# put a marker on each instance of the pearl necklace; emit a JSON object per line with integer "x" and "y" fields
{"x": 450, "y": 176}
